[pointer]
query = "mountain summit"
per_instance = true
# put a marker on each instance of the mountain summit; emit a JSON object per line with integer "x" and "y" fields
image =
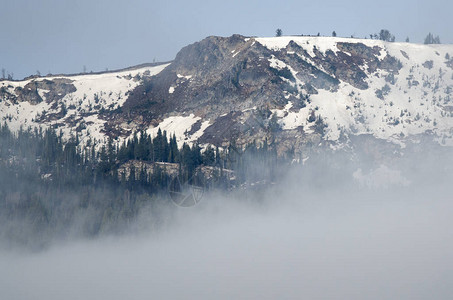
{"x": 294, "y": 91}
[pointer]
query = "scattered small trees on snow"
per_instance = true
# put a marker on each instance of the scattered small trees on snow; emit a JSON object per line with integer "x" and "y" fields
{"x": 431, "y": 39}
{"x": 385, "y": 35}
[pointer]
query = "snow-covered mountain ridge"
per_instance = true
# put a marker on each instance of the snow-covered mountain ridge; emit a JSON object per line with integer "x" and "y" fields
{"x": 71, "y": 103}
{"x": 295, "y": 91}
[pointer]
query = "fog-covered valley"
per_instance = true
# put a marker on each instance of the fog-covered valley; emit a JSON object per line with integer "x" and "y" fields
{"x": 317, "y": 233}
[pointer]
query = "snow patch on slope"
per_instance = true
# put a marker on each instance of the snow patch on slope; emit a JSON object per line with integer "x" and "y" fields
{"x": 180, "y": 126}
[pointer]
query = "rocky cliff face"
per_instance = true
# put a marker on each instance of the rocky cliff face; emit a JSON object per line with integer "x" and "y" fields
{"x": 297, "y": 92}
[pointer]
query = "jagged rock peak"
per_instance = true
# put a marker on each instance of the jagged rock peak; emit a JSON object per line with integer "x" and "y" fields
{"x": 296, "y": 91}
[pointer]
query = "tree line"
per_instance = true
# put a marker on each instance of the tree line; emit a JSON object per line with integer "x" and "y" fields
{"x": 383, "y": 35}
{"x": 48, "y": 183}
{"x": 43, "y": 155}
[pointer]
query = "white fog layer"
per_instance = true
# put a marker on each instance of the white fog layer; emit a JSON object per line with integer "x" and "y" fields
{"x": 299, "y": 243}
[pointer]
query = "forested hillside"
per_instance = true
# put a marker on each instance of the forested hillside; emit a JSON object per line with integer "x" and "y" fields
{"x": 51, "y": 188}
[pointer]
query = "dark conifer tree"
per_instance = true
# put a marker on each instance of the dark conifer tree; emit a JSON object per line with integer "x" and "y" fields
{"x": 158, "y": 146}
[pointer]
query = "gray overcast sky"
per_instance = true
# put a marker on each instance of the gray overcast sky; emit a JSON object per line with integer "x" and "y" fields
{"x": 61, "y": 36}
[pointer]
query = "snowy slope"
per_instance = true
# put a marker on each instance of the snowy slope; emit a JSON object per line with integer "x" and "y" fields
{"x": 93, "y": 93}
{"x": 419, "y": 99}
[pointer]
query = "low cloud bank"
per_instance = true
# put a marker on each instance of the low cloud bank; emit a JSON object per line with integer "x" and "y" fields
{"x": 295, "y": 241}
